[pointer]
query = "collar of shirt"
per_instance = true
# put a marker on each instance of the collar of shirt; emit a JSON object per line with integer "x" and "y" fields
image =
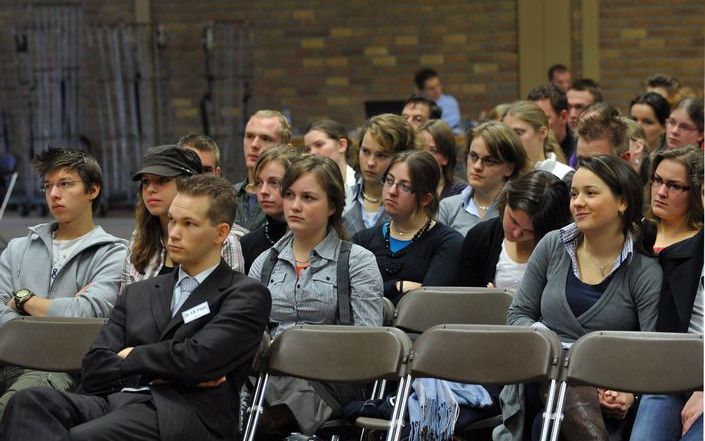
{"x": 570, "y": 236}
{"x": 240, "y": 187}
{"x": 326, "y": 249}
{"x": 470, "y": 206}
{"x": 200, "y": 277}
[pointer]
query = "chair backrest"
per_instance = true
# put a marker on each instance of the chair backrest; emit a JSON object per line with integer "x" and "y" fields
{"x": 387, "y": 312}
{"x": 425, "y": 307}
{"x": 340, "y": 353}
{"x": 646, "y": 362}
{"x": 495, "y": 354}
{"x": 55, "y": 344}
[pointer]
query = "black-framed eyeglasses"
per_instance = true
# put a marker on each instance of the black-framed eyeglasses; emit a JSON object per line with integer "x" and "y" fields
{"x": 657, "y": 181}
{"x": 389, "y": 181}
{"x": 486, "y": 160}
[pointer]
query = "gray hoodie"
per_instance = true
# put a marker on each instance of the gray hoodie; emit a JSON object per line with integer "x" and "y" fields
{"x": 86, "y": 286}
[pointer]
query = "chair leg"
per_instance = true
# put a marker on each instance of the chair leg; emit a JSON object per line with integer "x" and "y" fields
{"x": 257, "y": 410}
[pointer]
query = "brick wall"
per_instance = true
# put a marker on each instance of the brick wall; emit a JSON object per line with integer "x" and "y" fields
{"x": 326, "y": 58}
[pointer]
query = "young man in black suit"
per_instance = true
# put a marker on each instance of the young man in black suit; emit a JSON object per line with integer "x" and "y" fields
{"x": 170, "y": 362}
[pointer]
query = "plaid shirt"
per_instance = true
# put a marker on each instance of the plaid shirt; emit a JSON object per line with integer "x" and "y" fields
{"x": 570, "y": 236}
{"x": 231, "y": 252}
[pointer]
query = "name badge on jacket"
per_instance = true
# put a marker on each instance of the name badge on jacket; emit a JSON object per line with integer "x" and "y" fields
{"x": 196, "y": 312}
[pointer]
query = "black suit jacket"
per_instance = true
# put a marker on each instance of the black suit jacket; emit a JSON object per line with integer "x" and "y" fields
{"x": 223, "y": 342}
{"x": 682, "y": 264}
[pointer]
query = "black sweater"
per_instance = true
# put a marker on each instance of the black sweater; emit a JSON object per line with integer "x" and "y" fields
{"x": 480, "y": 254}
{"x": 255, "y": 242}
{"x": 431, "y": 260}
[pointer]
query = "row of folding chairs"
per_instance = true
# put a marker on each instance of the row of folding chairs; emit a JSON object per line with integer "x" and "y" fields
{"x": 639, "y": 362}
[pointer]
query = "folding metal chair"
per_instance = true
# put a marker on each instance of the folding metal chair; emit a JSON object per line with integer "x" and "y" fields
{"x": 645, "y": 362}
{"x": 351, "y": 354}
{"x": 425, "y": 307}
{"x": 489, "y": 354}
{"x": 55, "y": 344}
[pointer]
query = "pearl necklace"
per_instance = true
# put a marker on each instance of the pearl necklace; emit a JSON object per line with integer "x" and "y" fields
{"x": 370, "y": 200}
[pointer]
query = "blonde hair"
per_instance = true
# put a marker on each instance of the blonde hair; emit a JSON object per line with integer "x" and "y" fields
{"x": 533, "y": 115}
{"x": 285, "y": 131}
{"x": 392, "y": 132}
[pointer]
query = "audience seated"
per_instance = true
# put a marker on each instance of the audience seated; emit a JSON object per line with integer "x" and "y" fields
{"x": 170, "y": 362}
{"x": 301, "y": 271}
{"x": 665, "y": 85}
{"x": 554, "y": 104}
{"x": 328, "y": 138}
{"x": 676, "y": 195}
{"x": 651, "y": 111}
{"x": 269, "y": 172}
{"x": 265, "y": 129}
{"x": 594, "y": 274}
{"x": 412, "y": 249}
{"x": 685, "y": 124}
{"x": 602, "y": 134}
{"x": 419, "y": 109}
{"x": 438, "y": 139}
{"x": 428, "y": 84}
{"x": 383, "y": 136}
{"x": 495, "y": 252}
{"x": 581, "y": 94}
{"x": 68, "y": 267}
{"x": 638, "y": 157}
{"x": 531, "y": 125}
{"x": 148, "y": 254}
{"x": 494, "y": 156}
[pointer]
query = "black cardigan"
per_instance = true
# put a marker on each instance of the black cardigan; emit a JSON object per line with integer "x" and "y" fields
{"x": 430, "y": 261}
{"x": 480, "y": 254}
{"x": 682, "y": 264}
{"x": 255, "y": 242}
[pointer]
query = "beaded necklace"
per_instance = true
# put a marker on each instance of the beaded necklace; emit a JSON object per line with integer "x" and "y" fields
{"x": 404, "y": 250}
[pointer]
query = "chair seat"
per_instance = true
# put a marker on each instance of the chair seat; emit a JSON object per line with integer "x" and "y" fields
{"x": 372, "y": 423}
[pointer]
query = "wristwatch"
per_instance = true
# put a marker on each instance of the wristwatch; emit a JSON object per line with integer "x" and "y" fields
{"x": 21, "y": 296}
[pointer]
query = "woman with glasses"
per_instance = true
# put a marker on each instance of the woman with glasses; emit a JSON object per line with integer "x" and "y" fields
{"x": 597, "y": 273}
{"x": 382, "y": 137}
{"x": 147, "y": 254}
{"x": 301, "y": 272}
{"x": 685, "y": 124}
{"x": 651, "y": 111}
{"x": 439, "y": 140}
{"x": 268, "y": 174}
{"x": 496, "y": 252}
{"x": 411, "y": 248}
{"x": 495, "y": 156}
{"x": 677, "y": 206}
{"x": 676, "y": 196}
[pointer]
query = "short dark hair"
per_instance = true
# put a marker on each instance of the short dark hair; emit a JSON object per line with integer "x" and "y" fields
{"x": 669, "y": 82}
{"x": 335, "y": 131}
{"x": 541, "y": 195}
{"x": 425, "y": 175}
{"x": 605, "y": 126}
{"x": 556, "y": 68}
{"x": 71, "y": 159}
{"x": 658, "y": 104}
{"x": 434, "y": 110}
{"x": 502, "y": 143}
{"x": 552, "y": 93}
{"x": 589, "y": 85}
{"x": 221, "y": 193}
{"x": 423, "y": 75}
{"x": 202, "y": 143}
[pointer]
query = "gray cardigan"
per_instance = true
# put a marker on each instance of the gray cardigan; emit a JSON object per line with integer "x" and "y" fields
{"x": 629, "y": 303}
{"x": 451, "y": 212}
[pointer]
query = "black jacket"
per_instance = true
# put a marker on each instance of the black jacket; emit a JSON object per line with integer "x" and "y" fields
{"x": 480, "y": 254}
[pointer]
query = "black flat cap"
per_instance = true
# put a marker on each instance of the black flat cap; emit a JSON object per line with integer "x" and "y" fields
{"x": 169, "y": 161}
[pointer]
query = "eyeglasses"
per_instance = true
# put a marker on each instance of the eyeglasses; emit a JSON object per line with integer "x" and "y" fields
{"x": 61, "y": 185}
{"x": 388, "y": 181}
{"x": 486, "y": 160}
{"x": 682, "y": 126}
{"x": 657, "y": 181}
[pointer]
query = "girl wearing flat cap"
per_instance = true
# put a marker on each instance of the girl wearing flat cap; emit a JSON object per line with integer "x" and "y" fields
{"x": 147, "y": 255}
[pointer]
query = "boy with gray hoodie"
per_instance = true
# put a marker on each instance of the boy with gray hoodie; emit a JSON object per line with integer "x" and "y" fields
{"x": 65, "y": 268}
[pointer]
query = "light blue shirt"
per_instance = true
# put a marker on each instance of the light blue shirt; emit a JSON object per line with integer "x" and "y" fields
{"x": 451, "y": 112}
{"x": 177, "y": 298}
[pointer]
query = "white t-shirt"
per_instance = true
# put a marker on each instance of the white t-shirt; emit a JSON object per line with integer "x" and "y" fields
{"x": 62, "y": 250}
{"x": 551, "y": 165}
{"x": 508, "y": 273}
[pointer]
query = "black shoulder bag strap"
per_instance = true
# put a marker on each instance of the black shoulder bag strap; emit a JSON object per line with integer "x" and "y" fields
{"x": 343, "y": 280}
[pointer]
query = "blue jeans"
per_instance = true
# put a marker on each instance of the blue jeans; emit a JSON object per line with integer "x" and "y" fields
{"x": 659, "y": 419}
